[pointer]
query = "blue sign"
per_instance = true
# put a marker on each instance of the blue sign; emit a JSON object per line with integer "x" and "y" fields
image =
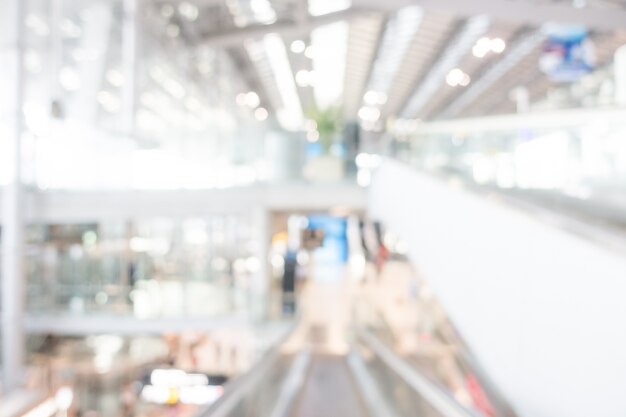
{"x": 567, "y": 54}
{"x": 335, "y": 246}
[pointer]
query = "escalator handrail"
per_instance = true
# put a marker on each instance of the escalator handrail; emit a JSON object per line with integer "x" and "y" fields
{"x": 236, "y": 390}
{"x": 465, "y": 356}
{"x": 440, "y": 400}
{"x": 609, "y": 234}
{"x": 292, "y": 385}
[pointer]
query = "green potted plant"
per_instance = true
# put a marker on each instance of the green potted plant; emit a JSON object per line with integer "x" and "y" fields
{"x": 325, "y": 167}
{"x": 328, "y": 123}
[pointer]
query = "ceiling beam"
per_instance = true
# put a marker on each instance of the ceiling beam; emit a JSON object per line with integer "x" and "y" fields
{"x": 516, "y": 53}
{"x": 363, "y": 45}
{"x": 525, "y": 12}
{"x": 290, "y": 29}
{"x": 302, "y": 11}
{"x": 461, "y": 42}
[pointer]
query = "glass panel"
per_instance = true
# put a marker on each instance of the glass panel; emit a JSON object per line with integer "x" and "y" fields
{"x": 150, "y": 268}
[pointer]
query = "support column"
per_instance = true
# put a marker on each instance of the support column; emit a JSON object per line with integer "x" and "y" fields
{"x": 11, "y": 121}
{"x": 620, "y": 76}
{"x": 261, "y": 286}
{"x": 129, "y": 65}
{"x": 521, "y": 96}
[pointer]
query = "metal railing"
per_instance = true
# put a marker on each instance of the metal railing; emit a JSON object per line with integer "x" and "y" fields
{"x": 270, "y": 388}
{"x": 439, "y": 402}
{"x": 262, "y": 380}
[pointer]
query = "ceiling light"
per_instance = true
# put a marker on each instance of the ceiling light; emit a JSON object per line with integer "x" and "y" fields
{"x": 260, "y": 6}
{"x": 457, "y": 77}
{"x": 263, "y": 11}
{"x": 479, "y": 52}
{"x": 454, "y": 77}
{"x": 369, "y": 114}
{"x": 304, "y": 78}
{"x": 486, "y": 45}
{"x": 261, "y": 114}
{"x": 482, "y": 47}
{"x": 298, "y": 46}
{"x": 63, "y": 398}
{"x": 373, "y": 98}
{"x": 309, "y": 52}
{"x": 252, "y": 99}
{"x": 241, "y": 99}
{"x": 498, "y": 45}
{"x": 188, "y": 11}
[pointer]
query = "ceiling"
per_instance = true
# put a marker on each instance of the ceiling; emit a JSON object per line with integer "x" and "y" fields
{"x": 400, "y": 51}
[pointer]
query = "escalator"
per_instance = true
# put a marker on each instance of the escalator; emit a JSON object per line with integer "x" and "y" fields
{"x": 537, "y": 294}
{"x": 329, "y": 390}
{"x": 369, "y": 381}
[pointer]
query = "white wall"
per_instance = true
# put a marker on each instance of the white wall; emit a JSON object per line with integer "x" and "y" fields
{"x": 543, "y": 310}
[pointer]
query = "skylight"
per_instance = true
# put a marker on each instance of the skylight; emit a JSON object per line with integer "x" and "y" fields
{"x": 399, "y": 34}
{"x": 290, "y": 115}
{"x": 322, "y": 7}
{"x": 330, "y": 46}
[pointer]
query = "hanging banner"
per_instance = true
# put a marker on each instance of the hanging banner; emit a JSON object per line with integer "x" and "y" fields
{"x": 567, "y": 54}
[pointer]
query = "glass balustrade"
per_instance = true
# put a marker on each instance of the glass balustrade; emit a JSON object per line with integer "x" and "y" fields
{"x": 566, "y": 160}
{"x": 153, "y": 268}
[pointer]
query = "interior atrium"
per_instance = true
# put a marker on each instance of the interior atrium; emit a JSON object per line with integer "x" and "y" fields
{"x": 313, "y": 208}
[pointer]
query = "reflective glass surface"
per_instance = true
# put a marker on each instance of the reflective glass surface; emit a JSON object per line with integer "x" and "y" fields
{"x": 566, "y": 160}
{"x": 153, "y": 268}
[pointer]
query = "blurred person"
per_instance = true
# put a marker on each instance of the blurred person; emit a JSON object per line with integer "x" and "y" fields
{"x": 289, "y": 282}
{"x": 362, "y": 232}
{"x": 381, "y": 258}
{"x": 128, "y": 399}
